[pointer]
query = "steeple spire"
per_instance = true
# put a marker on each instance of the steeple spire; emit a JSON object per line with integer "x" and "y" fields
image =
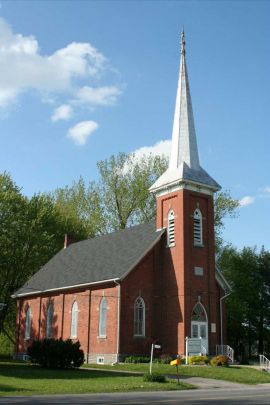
{"x": 184, "y": 144}
{"x": 183, "y": 43}
{"x": 184, "y": 165}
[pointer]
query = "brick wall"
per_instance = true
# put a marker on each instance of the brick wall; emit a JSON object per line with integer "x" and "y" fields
{"x": 88, "y": 319}
{"x": 182, "y": 288}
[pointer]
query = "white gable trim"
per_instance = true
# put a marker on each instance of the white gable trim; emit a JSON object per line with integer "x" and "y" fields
{"x": 222, "y": 282}
{"x": 38, "y": 292}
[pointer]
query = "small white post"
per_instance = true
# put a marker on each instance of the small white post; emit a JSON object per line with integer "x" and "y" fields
{"x": 186, "y": 350}
{"x": 151, "y": 360}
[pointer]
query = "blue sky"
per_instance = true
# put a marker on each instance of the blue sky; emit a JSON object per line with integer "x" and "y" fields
{"x": 81, "y": 80}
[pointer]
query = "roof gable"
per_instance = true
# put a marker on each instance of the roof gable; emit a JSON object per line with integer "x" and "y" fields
{"x": 106, "y": 257}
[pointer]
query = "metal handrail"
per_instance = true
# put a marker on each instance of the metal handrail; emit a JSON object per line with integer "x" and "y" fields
{"x": 264, "y": 363}
{"x": 225, "y": 350}
{"x": 204, "y": 351}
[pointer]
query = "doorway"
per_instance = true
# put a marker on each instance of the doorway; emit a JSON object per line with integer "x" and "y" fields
{"x": 199, "y": 325}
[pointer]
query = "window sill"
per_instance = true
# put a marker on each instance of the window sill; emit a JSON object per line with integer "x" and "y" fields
{"x": 27, "y": 338}
{"x": 199, "y": 245}
{"x": 139, "y": 336}
{"x": 73, "y": 337}
{"x": 102, "y": 337}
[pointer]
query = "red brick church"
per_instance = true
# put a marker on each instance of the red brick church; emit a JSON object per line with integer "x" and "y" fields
{"x": 120, "y": 292}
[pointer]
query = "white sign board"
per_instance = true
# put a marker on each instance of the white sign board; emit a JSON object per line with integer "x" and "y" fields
{"x": 193, "y": 346}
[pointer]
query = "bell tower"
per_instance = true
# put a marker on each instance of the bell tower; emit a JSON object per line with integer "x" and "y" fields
{"x": 184, "y": 193}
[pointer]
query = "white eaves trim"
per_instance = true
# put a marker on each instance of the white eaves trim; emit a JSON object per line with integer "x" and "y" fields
{"x": 221, "y": 280}
{"x": 66, "y": 287}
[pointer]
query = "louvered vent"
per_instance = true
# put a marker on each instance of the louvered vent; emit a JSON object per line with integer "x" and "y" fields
{"x": 171, "y": 229}
{"x": 197, "y": 227}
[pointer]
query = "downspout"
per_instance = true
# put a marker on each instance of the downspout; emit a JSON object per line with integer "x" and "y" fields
{"x": 39, "y": 318}
{"x": 19, "y": 309}
{"x": 118, "y": 321}
{"x": 63, "y": 316}
{"x": 88, "y": 329}
{"x": 221, "y": 317}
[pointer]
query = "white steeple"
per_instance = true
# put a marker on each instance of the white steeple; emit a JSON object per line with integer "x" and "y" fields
{"x": 184, "y": 165}
{"x": 184, "y": 144}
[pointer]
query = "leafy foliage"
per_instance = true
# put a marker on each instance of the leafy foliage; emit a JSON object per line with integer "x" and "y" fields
{"x": 56, "y": 353}
{"x": 248, "y": 306}
{"x": 119, "y": 199}
{"x": 165, "y": 358}
{"x": 220, "y": 361}
{"x": 32, "y": 231}
{"x": 225, "y": 206}
{"x": 198, "y": 360}
{"x": 121, "y": 196}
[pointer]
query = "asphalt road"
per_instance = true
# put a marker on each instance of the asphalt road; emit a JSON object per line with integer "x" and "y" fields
{"x": 248, "y": 395}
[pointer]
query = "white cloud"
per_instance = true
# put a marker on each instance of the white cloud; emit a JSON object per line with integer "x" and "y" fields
{"x": 106, "y": 95}
{"x": 64, "y": 112}
{"x": 81, "y": 131}
{"x": 160, "y": 148}
{"x": 266, "y": 190}
{"x": 23, "y": 67}
{"x": 247, "y": 200}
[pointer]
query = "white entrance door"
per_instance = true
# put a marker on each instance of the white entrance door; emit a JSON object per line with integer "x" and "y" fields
{"x": 200, "y": 330}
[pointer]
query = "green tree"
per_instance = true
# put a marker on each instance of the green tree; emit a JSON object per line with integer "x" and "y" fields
{"x": 225, "y": 206}
{"x": 32, "y": 231}
{"x": 121, "y": 196}
{"x": 119, "y": 199}
{"x": 248, "y": 306}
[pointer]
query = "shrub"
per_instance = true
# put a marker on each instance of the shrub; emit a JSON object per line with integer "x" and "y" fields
{"x": 56, "y": 353}
{"x": 198, "y": 360}
{"x": 154, "y": 377}
{"x": 220, "y": 361}
{"x": 137, "y": 359}
{"x": 165, "y": 358}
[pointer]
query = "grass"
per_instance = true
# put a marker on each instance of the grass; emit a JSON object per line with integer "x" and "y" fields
{"x": 25, "y": 379}
{"x": 239, "y": 374}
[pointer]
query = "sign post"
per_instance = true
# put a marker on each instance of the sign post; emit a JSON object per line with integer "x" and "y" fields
{"x": 176, "y": 363}
{"x": 153, "y": 346}
{"x": 193, "y": 347}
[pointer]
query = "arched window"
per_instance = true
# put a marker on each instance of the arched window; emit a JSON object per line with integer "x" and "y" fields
{"x": 28, "y": 323}
{"x": 102, "y": 316}
{"x": 199, "y": 325}
{"x": 74, "y": 320}
{"x": 139, "y": 317}
{"x": 170, "y": 229}
{"x": 197, "y": 228}
{"x": 198, "y": 313}
{"x": 49, "y": 323}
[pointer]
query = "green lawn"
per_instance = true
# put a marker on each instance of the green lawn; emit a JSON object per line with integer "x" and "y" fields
{"x": 25, "y": 379}
{"x": 240, "y": 374}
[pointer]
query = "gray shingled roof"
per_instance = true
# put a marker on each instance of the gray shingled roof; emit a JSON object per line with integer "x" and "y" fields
{"x": 106, "y": 257}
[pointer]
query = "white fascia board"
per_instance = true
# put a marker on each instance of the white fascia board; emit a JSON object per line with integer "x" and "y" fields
{"x": 221, "y": 280}
{"x": 180, "y": 185}
{"x": 66, "y": 288}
